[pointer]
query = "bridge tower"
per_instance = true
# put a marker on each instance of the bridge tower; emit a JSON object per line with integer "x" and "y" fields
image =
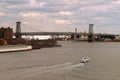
{"x": 75, "y": 30}
{"x": 90, "y": 34}
{"x": 75, "y": 33}
{"x": 18, "y": 30}
{"x": 76, "y": 36}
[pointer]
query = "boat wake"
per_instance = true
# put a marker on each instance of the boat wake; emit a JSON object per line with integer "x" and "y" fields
{"x": 37, "y": 70}
{"x": 65, "y": 66}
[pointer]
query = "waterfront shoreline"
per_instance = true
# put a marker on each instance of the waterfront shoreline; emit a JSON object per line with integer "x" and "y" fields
{"x": 15, "y": 48}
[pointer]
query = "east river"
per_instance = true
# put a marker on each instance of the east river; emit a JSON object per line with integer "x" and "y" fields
{"x": 63, "y": 63}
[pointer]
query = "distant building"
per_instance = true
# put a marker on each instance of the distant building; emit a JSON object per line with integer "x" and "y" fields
{"x": 6, "y": 33}
{"x": 117, "y": 37}
{"x": 6, "y": 37}
{"x": 84, "y": 36}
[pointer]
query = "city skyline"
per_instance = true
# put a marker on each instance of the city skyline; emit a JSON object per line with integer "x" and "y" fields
{"x": 62, "y": 15}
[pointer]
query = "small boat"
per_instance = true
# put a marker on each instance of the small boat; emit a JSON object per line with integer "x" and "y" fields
{"x": 84, "y": 60}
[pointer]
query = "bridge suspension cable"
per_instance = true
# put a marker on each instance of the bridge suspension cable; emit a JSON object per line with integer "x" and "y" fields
{"x": 29, "y": 27}
{"x": 99, "y": 30}
{"x": 11, "y": 25}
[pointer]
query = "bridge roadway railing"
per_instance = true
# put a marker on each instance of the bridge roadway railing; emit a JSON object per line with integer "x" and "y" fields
{"x": 65, "y": 33}
{"x": 48, "y": 33}
{"x": 106, "y": 35}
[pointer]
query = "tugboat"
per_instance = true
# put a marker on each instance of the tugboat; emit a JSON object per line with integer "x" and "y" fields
{"x": 84, "y": 60}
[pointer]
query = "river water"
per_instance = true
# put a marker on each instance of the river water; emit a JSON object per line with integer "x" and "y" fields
{"x": 62, "y": 63}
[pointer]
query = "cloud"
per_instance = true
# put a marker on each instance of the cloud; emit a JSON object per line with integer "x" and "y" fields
{"x": 62, "y": 15}
{"x": 97, "y": 8}
{"x": 116, "y": 2}
{"x": 31, "y": 14}
{"x": 65, "y": 13}
{"x": 2, "y": 14}
{"x": 62, "y": 22}
{"x": 34, "y": 3}
{"x": 29, "y": 6}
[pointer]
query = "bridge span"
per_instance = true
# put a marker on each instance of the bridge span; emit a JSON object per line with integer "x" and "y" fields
{"x": 64, "y": 33}
{"x": 96, "y": 36}
{"x": 48, "y": 33}
{"x": 91, "y": 36}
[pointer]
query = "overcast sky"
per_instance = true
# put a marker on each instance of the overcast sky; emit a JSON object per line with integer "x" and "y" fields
{"x": 62, "y": 15}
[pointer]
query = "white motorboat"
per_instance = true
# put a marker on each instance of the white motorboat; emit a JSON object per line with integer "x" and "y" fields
{"x": 84, "y": 60}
